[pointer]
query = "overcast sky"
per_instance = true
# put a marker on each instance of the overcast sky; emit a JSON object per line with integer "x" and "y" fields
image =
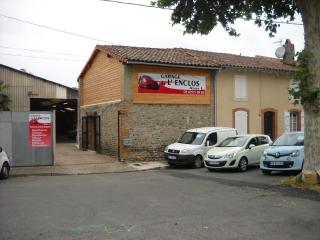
{"x": 116, "y": 24}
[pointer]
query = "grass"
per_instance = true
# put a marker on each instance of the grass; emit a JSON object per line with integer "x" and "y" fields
{"x": 297, "y": 182}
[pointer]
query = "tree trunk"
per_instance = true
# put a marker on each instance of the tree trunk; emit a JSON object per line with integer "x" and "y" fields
{"x": 310, "y": 11}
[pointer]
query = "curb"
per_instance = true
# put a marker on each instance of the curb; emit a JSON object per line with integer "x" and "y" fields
{"x": 89, "y": 173}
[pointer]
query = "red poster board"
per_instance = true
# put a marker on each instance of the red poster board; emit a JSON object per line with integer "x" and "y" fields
{"x": 40, "y": 130}
{"x": 171, "y": 84}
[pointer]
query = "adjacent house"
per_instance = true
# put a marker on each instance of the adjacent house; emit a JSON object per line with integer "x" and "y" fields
{"x": 134, "y": 101}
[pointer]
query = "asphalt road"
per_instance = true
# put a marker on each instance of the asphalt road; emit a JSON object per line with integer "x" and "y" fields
{"x": 163, "y": 204}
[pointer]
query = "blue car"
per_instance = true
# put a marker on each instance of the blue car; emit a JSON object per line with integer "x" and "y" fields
{"x": 285, "y": 154}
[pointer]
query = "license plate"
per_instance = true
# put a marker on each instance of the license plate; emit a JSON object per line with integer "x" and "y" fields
{"x": 276, "y": 163}
{"x": 213, "y": 163}
{"x": 172, "y": 157}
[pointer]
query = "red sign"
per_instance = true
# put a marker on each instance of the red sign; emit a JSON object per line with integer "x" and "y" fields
{"x": 171, "y": 84}
{"x": 40, "y": 130}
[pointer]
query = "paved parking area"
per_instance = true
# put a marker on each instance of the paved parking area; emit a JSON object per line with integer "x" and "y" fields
{"x": 69, "y": 154}
{"x": 253, "y": 176}
{"x": 161, "y": 204}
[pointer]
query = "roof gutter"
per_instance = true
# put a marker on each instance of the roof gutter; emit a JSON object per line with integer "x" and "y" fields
{"x": 252, "y": 69}
{"x": 171, "y": 65}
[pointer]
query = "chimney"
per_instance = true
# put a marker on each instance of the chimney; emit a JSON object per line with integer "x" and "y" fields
{"x": 288, "y": 57}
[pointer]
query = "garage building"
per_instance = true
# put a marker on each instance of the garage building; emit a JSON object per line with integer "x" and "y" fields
{"x": 134, "y": 101}
{"x": 32, "y": 93}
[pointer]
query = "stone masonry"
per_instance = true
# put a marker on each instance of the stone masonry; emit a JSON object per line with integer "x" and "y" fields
{"x": 150, "y": 127}
{"x": 109, "y": 125}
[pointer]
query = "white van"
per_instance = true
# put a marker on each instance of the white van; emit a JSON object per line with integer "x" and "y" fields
{"x": 192, "y": 146}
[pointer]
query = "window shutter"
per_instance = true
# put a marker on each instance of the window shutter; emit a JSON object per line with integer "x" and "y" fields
{"x": 302, "y": 121}
{"x": 240, "y": 85}
{"x": 243, "y": 87}
{"x": 241, "y": 122}
{"x": 237, "y": 87}
{"x": 286, "y": 118}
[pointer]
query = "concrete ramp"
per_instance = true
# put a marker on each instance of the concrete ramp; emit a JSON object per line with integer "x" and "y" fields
{"x": 69, "y": 154}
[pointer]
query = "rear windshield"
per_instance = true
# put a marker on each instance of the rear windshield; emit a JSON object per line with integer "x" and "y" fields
{"x": 193, "y": 138}
{"x": 290, "y": 139}
{"x": 234, "y": 142}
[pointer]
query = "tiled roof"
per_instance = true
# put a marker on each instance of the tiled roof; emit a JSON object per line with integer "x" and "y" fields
{"x": 194, "y": 58}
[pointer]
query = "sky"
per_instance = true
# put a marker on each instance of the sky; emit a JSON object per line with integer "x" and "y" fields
{"x": 60, "y": 57}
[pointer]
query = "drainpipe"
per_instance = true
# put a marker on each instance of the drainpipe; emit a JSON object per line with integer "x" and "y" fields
{"x": 53, "y": 135}
{"x": 214, "y": 98}
{"x": 119, "y": 133}
{"x": 119, "y": 125}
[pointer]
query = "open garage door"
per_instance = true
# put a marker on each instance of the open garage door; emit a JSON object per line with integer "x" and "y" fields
{"x": 66, "y": 116}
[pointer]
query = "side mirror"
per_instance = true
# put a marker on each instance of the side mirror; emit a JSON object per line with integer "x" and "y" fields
{"x": 0, "y": 149}
{"x": 251, "y": 146}
{"x": 207, "y": 143}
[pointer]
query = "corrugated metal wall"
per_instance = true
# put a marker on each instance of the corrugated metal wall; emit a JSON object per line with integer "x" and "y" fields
{"x": 14, "y": 138}
{"x": 22, "y": 87}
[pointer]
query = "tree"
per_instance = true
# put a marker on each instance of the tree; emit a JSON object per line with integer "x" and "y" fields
{"x": 201, "y": 16}
{"x": 4, "y": 97}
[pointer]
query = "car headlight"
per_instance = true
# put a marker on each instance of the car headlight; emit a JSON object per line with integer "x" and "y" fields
{"x": 230, "y": 155}
{"x": 166, "y": 148}
{"x": 265, "y": 153}
{"x": 185, "y": 151}
{"x": 295, "y": 153}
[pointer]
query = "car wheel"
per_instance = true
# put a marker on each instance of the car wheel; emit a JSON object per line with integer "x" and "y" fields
{"x": 243, "y": 165}
{"x": 266, "y": 172}
{"x": 197, "y": 163}
{"x": 4, "y": 174}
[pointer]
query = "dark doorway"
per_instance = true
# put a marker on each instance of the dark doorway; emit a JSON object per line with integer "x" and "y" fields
{"x": 66, "y": 116}
{"x": 269, "y": 124}
{"x": 91, "y": 132}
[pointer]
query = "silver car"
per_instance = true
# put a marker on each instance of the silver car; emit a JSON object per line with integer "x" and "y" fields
{"x": 237, "y": 152}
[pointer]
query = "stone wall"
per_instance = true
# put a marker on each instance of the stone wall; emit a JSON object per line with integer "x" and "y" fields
{"x": 109, "y": 125}
{"x": 152, "y": 127}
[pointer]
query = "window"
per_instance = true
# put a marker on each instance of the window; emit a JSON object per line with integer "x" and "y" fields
{"x": 212, "y": 138}
{"x": 253, "y": 141}
{"x": 193, "y": 138}
{"x": 237, "y": 141}
{"x": 293, "y": 121}
{"x": 263, "y": 140}
{"x": 293, "y": 85}
{"x": 240, "y": 87}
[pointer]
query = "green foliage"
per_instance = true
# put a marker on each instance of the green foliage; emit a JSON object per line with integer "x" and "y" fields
{"x": 201, "y": 16}
{"x": 4, "y": 97}
{"x": 304, "y": 93}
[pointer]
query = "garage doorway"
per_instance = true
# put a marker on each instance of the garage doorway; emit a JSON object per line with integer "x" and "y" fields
{"x": 66, "y": 116}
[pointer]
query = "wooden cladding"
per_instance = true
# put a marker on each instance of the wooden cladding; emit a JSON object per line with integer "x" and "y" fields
{"x": 162, "y": 98}
{"x": 102, "y": 81}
